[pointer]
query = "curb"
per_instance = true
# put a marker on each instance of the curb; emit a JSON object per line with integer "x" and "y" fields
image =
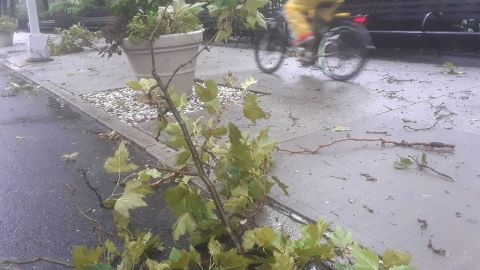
{"x": 142, "y": 140}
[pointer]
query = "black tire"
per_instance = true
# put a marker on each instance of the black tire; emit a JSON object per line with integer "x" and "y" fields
{"x": 342, "y": 42}
{"x": 270, "y": 49}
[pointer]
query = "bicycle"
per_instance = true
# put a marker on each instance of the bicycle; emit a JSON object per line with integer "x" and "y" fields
{"x": 338, "y": 40}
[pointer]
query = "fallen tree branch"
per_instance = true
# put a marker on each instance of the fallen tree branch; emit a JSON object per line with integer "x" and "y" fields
{"x": 223, "y": 216}
{"x": 36, "y": 259}
{"x": 380, "y": 140}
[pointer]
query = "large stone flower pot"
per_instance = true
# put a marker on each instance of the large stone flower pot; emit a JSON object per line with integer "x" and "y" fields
{"x": 170, "y": 52}
{"x": 6, "y": 39}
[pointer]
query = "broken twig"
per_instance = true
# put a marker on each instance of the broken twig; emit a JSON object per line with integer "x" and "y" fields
{"x": 420, "y": 129}
{"x": 36, "y": 259}
{"x": 422, "y": 165}
{"x": 89, "y": 185}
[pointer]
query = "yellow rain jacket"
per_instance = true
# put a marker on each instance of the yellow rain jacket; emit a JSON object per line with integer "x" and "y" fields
{"x": 297, "y": 11}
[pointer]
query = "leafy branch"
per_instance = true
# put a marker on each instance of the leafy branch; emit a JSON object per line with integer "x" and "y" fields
{"x": 193, "y": 151}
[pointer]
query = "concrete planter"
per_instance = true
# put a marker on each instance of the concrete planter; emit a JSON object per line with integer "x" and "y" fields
{"x": 6, "y": 39}
{"x": 170, "y": 52}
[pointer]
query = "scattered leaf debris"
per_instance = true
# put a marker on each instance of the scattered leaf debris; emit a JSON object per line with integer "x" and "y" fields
{"x": 438, "y": 251}
{"x": 338, "y": 177}
{"x": 370, "y": 210}
{"x": 71, "y": 157}
{"x": 423, "y": 223}
{"x": 368, "y": 177}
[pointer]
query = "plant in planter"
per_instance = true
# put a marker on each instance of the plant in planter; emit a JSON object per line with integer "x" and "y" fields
{"x": 177, "y": 32}
{"x": 7, "y": 28}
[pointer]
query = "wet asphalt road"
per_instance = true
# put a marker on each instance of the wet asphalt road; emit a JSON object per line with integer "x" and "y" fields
{"x": 38, "y": 216}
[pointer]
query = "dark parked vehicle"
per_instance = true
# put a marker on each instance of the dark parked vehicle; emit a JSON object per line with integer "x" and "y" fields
{"x": 441, "y": 24}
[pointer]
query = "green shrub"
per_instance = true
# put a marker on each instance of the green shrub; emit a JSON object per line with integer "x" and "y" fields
{"x": 72, "y": 40}
{"x": 7, "y": 25}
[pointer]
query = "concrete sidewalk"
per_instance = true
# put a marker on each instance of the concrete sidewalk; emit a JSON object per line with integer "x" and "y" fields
{"x": 353, "y": 184}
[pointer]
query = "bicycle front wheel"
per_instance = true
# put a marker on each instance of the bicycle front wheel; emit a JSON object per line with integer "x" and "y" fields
{"x": 270, "y": 50}
{"x": 342, "y": 53}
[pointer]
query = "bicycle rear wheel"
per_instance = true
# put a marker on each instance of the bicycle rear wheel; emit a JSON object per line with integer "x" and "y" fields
{"x": 270, "y": 50}
{"x": 342, "y": 53}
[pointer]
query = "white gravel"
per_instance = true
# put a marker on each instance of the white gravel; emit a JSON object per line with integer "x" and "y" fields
{"x": 126, "y": 104}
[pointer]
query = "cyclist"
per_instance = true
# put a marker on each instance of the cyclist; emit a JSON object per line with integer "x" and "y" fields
{"x": 297, "y": 12}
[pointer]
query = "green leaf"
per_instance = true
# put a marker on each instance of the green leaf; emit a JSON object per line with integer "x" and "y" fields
{"x": 281, "y": 185}
{"x": 179, "y": 101}
{"x": 110, "y": 246}
{"x": 186, "y": 199}
{"x": 179, "y": 259}
{"x": 365, "y": 259}
{"x": 283, "y": 262}
{"x": 176, "y": 139}
{"x": 318, "y": 252}
{"x": 312, "y": 234}
{"x": 248, "y": 240}
{"x": 264, "y": 144}
{"x": 161, "y": 124}
{"x": 83, "y": 256}
{"x": 403, "y": 163}
{"x": 236, "y": 204}
{"x": 185, "y": 223}
{"x": 132, "y": 253}
{"x": 147, "y": 83}
{"x": 119, "y": 162}
{"x": 251, "y": 110}
{"x": 195, "y": 256}
{"x": 230, "y": 260}
{"x": 129, "y": 201}
{"x": 101, "y": 266}
{"x": 396, "y": 258}
{"x": 234, "y": 133}
{"x": 135, "y": 85}
{"x": 154, "y": 265}
{"x": 213, "y": 106}
{"x": 182, "y": 157}
{"x": 341, "y": 238}
{"x": 208, "y": 92}
{"x": 214, "y": 247}
{"x": 253, "y": 5}
{"x": 340, "y": 266}
{"x": 340, "y": 129}
{"x": 121, "y": 224}
{"x": 239, "y": 152}
{"x": 264, "y": 236}
{"x": 153, "y": 173}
